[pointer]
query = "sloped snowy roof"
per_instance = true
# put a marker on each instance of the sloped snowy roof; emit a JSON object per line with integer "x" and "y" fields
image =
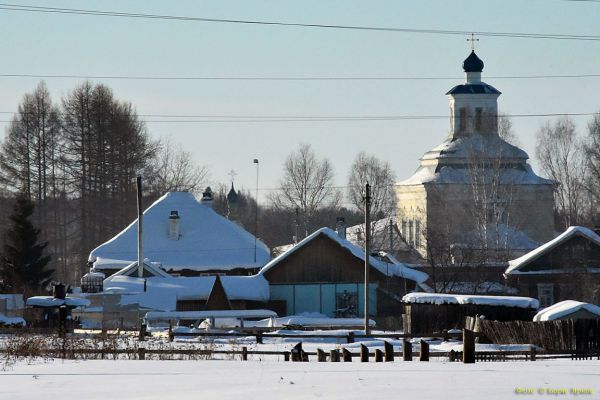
{"x": 390, "y": 269}
{"x": 51, "y": 302}
{"x": 208, "y": 241}
{"x": 516, "y": 264}
{"x": 565, "y": 308}
{"x": 441, "y": 298}
{"x": 162, "y": 293}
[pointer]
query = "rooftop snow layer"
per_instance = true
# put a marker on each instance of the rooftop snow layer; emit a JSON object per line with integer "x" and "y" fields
{"x": 567, "y": 307}
{"x": 51, "y": 302}
{"x": 208, "y": 240}
{"x": 162, "y": 293}
{"x": 516, "y": 264}
{"x": 441, "y": 298}
{"x": 394, "y": 269}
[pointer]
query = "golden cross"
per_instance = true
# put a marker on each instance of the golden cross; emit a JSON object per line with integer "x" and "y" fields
{"x": 472, "y": 40}
{"x": 232, "y": 174}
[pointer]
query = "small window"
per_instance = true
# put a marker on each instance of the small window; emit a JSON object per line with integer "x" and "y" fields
{"x": 545, "y": 294}
{"x": 462, "y": 120}
{"x": 417, "y": 233}
{"x": 411, "y": 237}
{"x": 478, "y": 118}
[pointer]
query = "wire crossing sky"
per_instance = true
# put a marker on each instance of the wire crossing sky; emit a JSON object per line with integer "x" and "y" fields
{"x": 236, "y": 81}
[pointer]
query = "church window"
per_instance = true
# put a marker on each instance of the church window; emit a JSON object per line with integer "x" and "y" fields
{"x": 462, "y": 119}
{"x": 478, "y": 118}
{"x": 411, "y": 238}
{"x": 417, "y": 233}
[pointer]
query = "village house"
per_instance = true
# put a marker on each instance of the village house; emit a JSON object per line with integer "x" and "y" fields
{"x": 565, "y": 268}
{"x": 324, "y": 273}
{"x": 185, "y": 237}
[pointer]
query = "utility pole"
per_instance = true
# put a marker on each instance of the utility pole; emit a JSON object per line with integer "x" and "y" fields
{"x": 367, "y": 252}
{"x": 256, "y": 211}
{"x": 138, "y": 182}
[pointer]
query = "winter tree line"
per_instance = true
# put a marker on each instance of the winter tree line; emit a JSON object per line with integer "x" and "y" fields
{"x": 76, "y": 160}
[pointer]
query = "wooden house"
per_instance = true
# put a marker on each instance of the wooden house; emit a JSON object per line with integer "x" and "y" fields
{"x": 324, "y": 274}
{"x": 567, "y": 267}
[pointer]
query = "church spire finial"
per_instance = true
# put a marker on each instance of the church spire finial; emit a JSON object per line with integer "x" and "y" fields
{"x": 472, "y": 40}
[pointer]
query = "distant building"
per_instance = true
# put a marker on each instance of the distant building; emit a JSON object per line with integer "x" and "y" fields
{"x": 475, "y": 190}
{"x": 567, "y": 267}
{"x": 185, "y": 237}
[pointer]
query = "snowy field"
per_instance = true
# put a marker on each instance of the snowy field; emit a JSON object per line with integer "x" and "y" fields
{"x": 215, "y": 379}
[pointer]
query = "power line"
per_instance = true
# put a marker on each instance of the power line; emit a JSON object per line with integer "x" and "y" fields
{"x": 102, "y": 13}
{"x": 286, "y": 78}
{"x": 311, "y": 118}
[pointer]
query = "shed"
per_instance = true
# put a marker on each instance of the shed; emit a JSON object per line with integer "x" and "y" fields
{"x": 434, "y": 312}
{"x": 568, "y": 309}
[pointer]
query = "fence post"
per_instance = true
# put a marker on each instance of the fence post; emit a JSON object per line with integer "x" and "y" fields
{"x": 350, "y": 337}
{"x": 297, "y": 352}
{"x": 532, "y": 352}
{"x": 334, "y": 355}
{"x": 364, "y": 353}
{"x": 141, "y": 353}
{"x": 259, "y": 338}
{"x": 244, "y": 353}
{"x": 171, "y": 336}
{"x": 378, "y": 355}
{"x": 389, "y": 351}
{"x": 406, "y": 350}
{"x": 286, "y": 356}
{"x": 424, "y": 354}
{"x": 321, "y": 356}
{"x": 468, "y": 346}
{"x": 452, "y": 356}
{"x": 142, "y": 335}
{"x": 346, "y": 355}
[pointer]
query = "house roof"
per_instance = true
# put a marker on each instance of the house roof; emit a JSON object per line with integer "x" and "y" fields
{"x": 515, "y": 265}
{"x": 565, "y": 308}
{"x": 442, "y": 298}
{"x": 162, "y": 293}
{"x": 208, "y": 241}
{"x": 390, "y": 269}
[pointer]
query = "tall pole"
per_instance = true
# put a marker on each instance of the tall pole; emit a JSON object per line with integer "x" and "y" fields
{"x": 138, "y": 182}
{"x": 367, "y": 252}
{"x": 256, "y": 211}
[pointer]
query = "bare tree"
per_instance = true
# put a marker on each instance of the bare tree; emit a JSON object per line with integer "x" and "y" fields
{"x": 561, "y": 156}
{"x": 592, "y": 154}
{"x": 307, "y": 185}
{"x": 174, "y": 170}
{"x": 369, "y": 169}
{"x": 506, "y": 131}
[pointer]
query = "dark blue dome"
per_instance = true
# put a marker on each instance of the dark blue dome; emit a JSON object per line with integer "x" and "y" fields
{"x": 473, "y": 63}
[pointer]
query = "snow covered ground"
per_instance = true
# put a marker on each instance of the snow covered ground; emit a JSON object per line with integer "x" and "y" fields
{"x": 214, "y": 379}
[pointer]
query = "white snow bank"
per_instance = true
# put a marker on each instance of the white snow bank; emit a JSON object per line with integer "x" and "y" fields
{"x": 49, "y": 301}
{"x": 564, "y": 308}
{"x": 4, "y": 320}
{"x": 440, "y": 298}
{"x": 317, "y": 321}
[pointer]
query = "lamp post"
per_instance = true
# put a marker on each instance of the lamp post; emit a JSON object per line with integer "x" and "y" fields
{"x": 256, "y": 210}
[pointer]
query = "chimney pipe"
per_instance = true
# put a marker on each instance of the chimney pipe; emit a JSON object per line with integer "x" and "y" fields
{"x": 340, "y": 227}
{"x": 174, "y": 227}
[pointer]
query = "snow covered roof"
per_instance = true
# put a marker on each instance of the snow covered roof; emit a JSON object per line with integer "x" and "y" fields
{"x": 515, "y": 265}
{"x": 208, "y": 240}
{"x": 4, "y": 320}
{"x": 52, "y": 302}
{"x": 441, "y": 298}
{"x": 149, "y": 268}
{"x": 565, "y": 308}
{"x": 170, "y": 315}
{"x": 390, "y": 269}
{"x": 162, "y": 293}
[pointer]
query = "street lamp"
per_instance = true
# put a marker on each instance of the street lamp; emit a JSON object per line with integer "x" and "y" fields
{"x": 256, "y": 211}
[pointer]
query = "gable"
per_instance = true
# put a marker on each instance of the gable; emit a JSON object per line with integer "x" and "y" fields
{"x": 577, "y": 252}
{"x": 320, "y": 260}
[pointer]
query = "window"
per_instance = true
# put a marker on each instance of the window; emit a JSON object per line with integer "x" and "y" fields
{"x": 545, "y": 294}
{"x": 417, "y": 233}
{"x": 462, "y": 120}
{"x": 411, "y": 237}
{"x": 478, "y": 118}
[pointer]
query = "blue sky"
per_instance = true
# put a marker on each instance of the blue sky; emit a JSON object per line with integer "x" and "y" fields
{"x": 90, "y": 45}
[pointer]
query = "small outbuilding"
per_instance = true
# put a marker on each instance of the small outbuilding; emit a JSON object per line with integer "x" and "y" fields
{"x": 426, "y": 313}
{"x": 568, "y": 309}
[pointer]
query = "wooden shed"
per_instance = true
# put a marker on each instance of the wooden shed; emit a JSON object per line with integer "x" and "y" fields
{"x": 427, "y": 313}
